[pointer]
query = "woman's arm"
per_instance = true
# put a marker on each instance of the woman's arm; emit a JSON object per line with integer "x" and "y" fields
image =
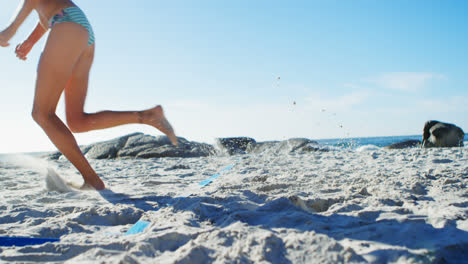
{"x": 23, "y": 49}
{"x": 26, "y": 8}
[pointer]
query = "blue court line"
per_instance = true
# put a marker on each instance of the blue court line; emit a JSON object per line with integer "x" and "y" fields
{"x": 24, "y": 241}
{"x": 215, "y": 176}
{"x": 209, "y": 180}
{"x": 140, "y": 225}
{"x": 227, "y": 168}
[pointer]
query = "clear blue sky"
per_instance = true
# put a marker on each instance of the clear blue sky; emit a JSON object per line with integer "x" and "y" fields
{"x": 266, "y": 69}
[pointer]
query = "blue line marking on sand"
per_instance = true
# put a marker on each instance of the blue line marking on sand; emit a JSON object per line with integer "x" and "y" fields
{"x": 209, "y": 180}
{"x": 140, "y": 225}
{"x": 25, "y": 241}
{"x": 205, "y": 182}
{"x": 227, "y": 168}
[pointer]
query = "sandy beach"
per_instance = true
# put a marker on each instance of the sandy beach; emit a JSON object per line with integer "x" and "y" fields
{"x": 368, "y": 205}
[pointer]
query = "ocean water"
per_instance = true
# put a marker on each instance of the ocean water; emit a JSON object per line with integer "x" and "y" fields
{"x": 353, "y": 143}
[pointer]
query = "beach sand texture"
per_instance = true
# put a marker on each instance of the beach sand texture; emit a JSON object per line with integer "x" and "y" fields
{"x": 341, "y": 206}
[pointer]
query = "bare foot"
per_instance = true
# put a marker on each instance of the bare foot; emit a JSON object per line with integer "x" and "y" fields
{"x": 97, "y": 184}
{"x": 155, "y": 117}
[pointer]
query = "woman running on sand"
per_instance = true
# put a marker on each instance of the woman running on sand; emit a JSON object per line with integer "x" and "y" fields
{"x": 64, "y": 66}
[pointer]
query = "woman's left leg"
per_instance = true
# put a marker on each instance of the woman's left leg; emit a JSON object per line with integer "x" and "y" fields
{"x": 65, "y": 44}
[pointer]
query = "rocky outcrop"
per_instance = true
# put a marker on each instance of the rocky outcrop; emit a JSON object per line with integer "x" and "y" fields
{"x": 439, "y": 134}
{"x": 139, "y": 145}
{"x": 248, "y": 145}
{"x": 404, "y": 144}
{"x": 106, "y": 149}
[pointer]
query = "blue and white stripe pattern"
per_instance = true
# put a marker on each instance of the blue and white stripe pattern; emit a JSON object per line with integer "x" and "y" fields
{"x": 73, "y": 14}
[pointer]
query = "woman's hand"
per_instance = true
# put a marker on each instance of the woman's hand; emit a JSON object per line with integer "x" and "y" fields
{"x": 4, "y": 39}
{"x": 22, "y": 50}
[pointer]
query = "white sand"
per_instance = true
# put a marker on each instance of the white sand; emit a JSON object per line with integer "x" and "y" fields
{"x": 369, "y": 205}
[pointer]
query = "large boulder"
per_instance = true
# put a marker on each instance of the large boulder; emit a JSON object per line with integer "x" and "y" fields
{"x": 404, "y": 144}
{"x": 106, "y": 149}
{"x": 439, "y": 134}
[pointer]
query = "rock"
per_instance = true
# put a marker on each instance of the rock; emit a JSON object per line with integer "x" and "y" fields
{"x": 364, "y": 192}
{"x": 145, "y": 146}
{"x": 438, "y": 134}
{"x": 261, "y": 147}
{"x": 141, "y": 139}
{"x": 418, "y": 189}
{"x": 54, "y": 156}
{"x": 293, "y": 145}
{"x": 299, "y": 145}
{"x": 189, "y": 150}
{"x": 236, "y": 145}
{"x": 139, "y": 145}
{"x": 108, "y": 149}
{"x": 134, "y": 151}
{"x": 404, "y": 144}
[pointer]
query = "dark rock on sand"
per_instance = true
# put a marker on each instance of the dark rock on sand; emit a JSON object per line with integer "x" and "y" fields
{"x": 439, "y": 134}
{"x": 404, "y": 144}
{"x": 236, "y": 145}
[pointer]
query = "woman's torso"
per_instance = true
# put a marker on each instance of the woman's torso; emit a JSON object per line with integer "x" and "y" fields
{"x": 46, "y": 9}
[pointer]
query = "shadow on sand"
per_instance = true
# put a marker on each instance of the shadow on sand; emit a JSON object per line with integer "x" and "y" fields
{"x": 446, "y": 244}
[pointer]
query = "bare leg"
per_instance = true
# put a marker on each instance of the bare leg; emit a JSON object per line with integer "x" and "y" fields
{"x": 79, "y": 121}
{"x": 65, "y": 44}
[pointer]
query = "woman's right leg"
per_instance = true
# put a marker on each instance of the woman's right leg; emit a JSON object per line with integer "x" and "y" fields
{"x": 79, "y": 121}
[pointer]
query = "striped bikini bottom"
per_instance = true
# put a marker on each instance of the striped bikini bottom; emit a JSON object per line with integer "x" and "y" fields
{"x": 73, "y": 14}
